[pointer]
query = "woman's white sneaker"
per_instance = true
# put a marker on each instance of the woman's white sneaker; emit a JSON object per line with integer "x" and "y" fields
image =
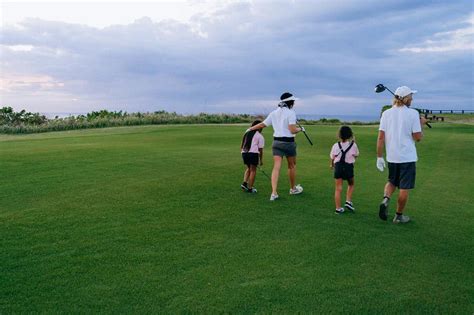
{"x": 298, "y": 190}
{"x": 273, "y": 197}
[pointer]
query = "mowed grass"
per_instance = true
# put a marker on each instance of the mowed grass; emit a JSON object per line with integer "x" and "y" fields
{"x": 152, "y": 219}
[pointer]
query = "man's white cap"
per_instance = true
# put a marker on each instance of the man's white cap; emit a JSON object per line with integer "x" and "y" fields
{"x": 404, "y": 91}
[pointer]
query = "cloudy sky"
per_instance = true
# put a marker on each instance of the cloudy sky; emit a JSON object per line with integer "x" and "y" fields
{"x": 234, "y": 56}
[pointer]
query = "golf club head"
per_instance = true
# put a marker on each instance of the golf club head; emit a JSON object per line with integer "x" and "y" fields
{"x": 379, "y": 88}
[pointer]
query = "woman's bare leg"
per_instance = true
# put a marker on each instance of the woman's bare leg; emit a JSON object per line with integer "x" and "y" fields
{"x": 292, "y": 170}
{"x": 276, "y": 173}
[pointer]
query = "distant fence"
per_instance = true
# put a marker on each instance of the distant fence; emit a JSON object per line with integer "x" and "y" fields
{"x": 447, "y": 111}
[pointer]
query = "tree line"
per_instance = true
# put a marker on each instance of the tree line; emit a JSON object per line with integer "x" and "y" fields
{"x": 22, "y": 122}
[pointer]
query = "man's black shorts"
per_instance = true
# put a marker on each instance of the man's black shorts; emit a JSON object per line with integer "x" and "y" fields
{"x": 402, "y": 175}
{"x": 250, "y": 158}
{"x": 343, "y": 170}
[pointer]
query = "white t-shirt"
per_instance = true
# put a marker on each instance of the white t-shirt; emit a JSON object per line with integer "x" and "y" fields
{"x": 399, "y": 123}
{"x": 280, "y": 118}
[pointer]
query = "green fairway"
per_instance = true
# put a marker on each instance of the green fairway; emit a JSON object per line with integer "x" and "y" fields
{"x": 152, "y": 219}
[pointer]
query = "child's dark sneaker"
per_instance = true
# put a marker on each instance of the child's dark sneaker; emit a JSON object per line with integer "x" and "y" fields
{"x": 383, "y": 209}
{"x": 340, "y": 211}
{"x": 244, "y": 186}
{"x": 350, "y": 206}
{"x": 252, "y": 190}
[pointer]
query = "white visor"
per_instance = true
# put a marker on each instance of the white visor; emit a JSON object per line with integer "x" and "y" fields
{"x": 291, "y": 98}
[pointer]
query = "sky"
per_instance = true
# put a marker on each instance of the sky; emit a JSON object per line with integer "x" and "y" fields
{"x": 234, "y": 56}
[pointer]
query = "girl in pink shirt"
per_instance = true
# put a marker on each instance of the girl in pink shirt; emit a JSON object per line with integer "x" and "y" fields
{"x": 343, "y": 155}
{"x": 252, "y": 154}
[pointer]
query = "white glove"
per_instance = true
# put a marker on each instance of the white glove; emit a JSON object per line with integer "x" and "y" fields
{"x": 302, "y": 129}
{"x": 380, "y": 163}
{"x": 247, "y": 130}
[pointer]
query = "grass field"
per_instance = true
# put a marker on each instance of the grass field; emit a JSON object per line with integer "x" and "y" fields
{"x": 151, "y": 219}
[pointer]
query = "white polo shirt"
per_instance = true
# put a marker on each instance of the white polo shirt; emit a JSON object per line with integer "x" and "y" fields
{"x": 399, "y": 123}
{"x": 280, "y": 118}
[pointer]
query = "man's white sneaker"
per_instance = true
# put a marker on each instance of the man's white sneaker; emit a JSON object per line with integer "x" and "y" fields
{"x": 401, "y": 218}
{"x": 273, "y": 197}
{"x": 298, "y": 190}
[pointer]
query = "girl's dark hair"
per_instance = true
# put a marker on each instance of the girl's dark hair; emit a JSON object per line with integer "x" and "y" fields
{"x": 247, "y": 139}
{"x": 345, "y": 133}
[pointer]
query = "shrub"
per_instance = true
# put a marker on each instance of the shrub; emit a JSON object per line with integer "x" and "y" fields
{"x": 22, "y": 122}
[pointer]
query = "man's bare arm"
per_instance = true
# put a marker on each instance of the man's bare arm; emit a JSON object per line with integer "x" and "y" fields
{"x": 380, "y": 143}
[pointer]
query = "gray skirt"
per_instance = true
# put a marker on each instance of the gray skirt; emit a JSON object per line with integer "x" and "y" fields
{"x": 282, "y": 148}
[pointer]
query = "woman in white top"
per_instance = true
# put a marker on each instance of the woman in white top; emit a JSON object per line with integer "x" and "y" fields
{"x": 283, "y": 120}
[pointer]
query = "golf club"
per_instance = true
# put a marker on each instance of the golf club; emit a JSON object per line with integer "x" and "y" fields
{"x": 309, "y": 140}
{"x": 379, "y": 88}
{"x": 266, "y": 175}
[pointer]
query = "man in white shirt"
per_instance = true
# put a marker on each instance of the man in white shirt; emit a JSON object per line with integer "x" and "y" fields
{"x": 283, "y": 120}
{"x": 400, "y": 128}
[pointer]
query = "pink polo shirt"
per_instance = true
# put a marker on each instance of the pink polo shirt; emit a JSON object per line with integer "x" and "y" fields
{"x": 258, "y": 142}
{"x": 350, "y": 155}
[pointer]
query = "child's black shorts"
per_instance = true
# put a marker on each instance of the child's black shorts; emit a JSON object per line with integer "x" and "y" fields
{"x": 402, "y": 175}
{"x": 343, "y": 170}
{"x": 250, "y": 158}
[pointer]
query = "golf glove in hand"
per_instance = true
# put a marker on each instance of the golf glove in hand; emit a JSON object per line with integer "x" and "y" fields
{"x": 380, "y": 163}
{"x": 302, "y": 129}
